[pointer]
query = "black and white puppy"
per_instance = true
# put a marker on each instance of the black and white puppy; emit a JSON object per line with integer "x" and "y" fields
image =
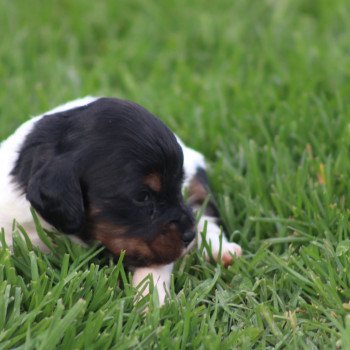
{"x": 107, "y": 170}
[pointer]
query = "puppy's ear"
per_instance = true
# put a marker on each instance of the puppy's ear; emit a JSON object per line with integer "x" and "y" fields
{"x": 55, "y": 193}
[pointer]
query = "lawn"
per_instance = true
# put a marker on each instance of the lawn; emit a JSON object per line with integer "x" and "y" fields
{"x": 262, "y": 89}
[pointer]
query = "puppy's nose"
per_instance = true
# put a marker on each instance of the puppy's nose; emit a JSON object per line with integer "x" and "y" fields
{"x": 188, "y": 237}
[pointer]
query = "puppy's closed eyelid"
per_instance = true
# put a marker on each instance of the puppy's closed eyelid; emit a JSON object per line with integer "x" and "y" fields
{"x": 143, "y": 197}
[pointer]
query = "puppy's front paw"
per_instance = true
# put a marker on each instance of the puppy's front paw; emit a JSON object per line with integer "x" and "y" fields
{"x": 228, "y": 252}
{"x": 215, "y": 240}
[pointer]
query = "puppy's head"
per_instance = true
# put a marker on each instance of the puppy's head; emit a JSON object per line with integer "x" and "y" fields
{"x": 114, "y": 174}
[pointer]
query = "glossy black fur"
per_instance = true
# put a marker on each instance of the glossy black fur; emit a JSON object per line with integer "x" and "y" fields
{"x": 95, "y": 158}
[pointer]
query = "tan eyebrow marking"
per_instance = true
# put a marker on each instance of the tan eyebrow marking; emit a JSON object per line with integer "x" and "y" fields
{"x": 154, "y": 181}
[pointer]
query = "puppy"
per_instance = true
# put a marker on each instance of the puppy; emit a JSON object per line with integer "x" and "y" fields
{"x": 107, "y": 170}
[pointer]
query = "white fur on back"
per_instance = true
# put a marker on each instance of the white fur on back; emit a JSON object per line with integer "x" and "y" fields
{"x": 73, "y": 104}
{"x": 12, "y": 202}
{"x": 192, "y": 161}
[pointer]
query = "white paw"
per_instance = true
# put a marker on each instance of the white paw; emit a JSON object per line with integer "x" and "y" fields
{"x": 221, "y": 249}
{"x": 160, "y": 278}
{"x": 228, "y": 252}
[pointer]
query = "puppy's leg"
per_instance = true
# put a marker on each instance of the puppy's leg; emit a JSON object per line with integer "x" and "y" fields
{"x": 198, "y": 194}
{"x": 161, "y": 279}
{"x": 197, "y": 185}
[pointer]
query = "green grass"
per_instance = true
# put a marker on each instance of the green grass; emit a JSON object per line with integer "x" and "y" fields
{"x": 262, "y": 89}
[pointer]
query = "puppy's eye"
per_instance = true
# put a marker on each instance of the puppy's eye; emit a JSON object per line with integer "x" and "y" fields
{"x": 142, "y": 197}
